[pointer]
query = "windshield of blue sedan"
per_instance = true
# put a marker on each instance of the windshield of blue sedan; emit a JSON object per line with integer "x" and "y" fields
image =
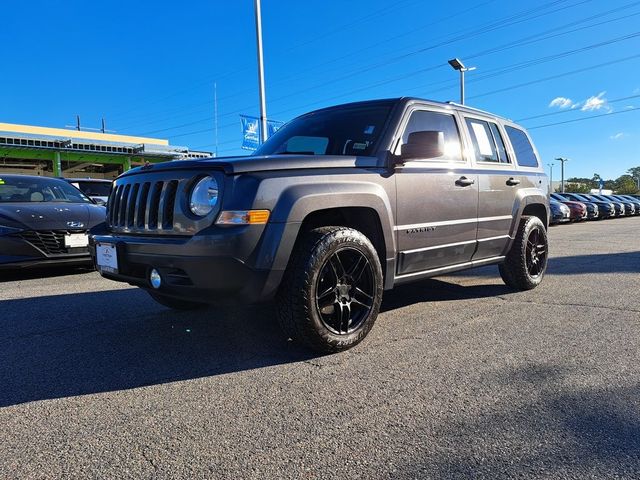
{"x": 38, "y": 190}
{"x": 349, "y": 131}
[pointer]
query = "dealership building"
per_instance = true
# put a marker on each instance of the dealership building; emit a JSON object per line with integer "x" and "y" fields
{"x": 59, "y": 152}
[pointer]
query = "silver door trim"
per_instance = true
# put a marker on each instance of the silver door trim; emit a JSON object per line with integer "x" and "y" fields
{"x": 453, "y": 222}
{"x": 437, "y": 247}
{"x": 488, "y": 239}
{"x": 458, "y": 266}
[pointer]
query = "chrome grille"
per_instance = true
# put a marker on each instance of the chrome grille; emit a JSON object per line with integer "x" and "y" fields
{"x": 51, "y": 242}
{"x": 154, "y": 203}
{"x": 143, "y": 205}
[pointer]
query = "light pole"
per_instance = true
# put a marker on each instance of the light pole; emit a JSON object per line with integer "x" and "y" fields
{"x": 550, "y": 165}
{"x": 562, "y": 160}
{"x": 263, "y": 102}
{"x": 457, "y": 64}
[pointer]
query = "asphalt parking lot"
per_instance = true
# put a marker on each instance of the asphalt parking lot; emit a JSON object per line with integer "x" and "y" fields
{"x": 459, "y": 378}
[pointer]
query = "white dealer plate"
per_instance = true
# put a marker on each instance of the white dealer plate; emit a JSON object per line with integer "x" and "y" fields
{"x": 76, "y": 240}
{"x": 106, "y": 257}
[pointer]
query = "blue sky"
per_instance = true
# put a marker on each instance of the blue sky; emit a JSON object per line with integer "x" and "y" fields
{"x": 149, "y": 67}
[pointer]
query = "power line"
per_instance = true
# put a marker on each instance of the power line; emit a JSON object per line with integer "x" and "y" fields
{"x": 316, "y": 38}
{"x": 553, "y": 77}
{"x": 333, "y": 60}
{"x": 584, "y": 118}
{"x": 526, "y": 15}
{"x": 616, "y": 100}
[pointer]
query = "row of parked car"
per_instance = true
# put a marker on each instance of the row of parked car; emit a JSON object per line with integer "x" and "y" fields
{"x": 575, "y": 207}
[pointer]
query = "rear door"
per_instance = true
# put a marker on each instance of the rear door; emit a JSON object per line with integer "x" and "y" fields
{"x": 498, "y": 182}
{"x": 437, "y": 198}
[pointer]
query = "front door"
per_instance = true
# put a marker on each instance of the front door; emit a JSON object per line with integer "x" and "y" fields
{"x": 437, "y": 199}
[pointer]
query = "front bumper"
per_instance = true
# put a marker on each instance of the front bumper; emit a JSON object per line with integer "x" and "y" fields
{"x": 216, "y": 266}
{"x": 16, "y": 252}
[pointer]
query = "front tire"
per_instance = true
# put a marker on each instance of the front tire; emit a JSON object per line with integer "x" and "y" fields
{"x": 526, "y": 263}
{"x": 175, "y": 303}
{"x": 331, "y": 292}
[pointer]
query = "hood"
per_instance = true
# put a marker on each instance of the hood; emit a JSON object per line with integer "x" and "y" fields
{"x": 233, "y": 165}
{"x": 51, "y": 216}
{"x": 574, "y": 203}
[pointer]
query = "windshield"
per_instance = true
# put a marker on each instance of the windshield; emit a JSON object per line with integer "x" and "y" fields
{"x": 349, "y": 130}
{"x": 94, "y": 189}
{"x": 38, "y": 190}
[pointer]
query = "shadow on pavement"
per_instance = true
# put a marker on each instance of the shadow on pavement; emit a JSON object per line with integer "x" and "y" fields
{"x": 564, "y": 430}
{"x": 626, "y": 262}
{"x": 65, "y": 345}
{"x": 15, "y": 275}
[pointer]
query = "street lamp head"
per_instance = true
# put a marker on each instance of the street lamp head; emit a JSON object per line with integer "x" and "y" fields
{"x": 456, "y": 64}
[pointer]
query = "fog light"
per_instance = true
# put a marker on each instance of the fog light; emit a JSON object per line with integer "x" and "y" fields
{"x": 155, "y": 279}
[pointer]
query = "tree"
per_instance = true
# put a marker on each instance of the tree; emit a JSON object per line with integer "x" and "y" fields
{"x": 575, "y": 187}
{"x": 634, "y": 172}
{"x": 625, "y": 184}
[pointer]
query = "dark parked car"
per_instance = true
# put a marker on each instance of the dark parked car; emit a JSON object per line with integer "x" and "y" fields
{"x": 606, "y": 209}
{"x": 629, "y": 199}
{"x": 590, "y": 212}
{"x": 560, "y": 213}
{"x": 622, "y": 208}
{"x": 337, "y": 206}
{"x": 96, "y": 189}
{"x": 44, "y": 221}
{"x": 578, "y": 210}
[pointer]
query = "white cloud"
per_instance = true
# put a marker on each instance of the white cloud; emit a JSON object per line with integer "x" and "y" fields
{"x": 617, "y": 136}
{"x": 596, "y": 102}
{"x": 561, "y": 102}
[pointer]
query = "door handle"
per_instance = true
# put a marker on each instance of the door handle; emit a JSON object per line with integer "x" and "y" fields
{"x": 513, "y": 181}
{"x": 464, "y": 182}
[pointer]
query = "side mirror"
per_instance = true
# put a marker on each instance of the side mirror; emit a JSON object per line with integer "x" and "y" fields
{"x": 426, "y": 144}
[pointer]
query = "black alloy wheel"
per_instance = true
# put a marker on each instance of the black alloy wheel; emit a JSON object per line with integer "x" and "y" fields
{"x": 526, "y": 262}
{"x": 345, "y": 291}
{"x": 536, "y": 251}
{"x": 330, "y": 295}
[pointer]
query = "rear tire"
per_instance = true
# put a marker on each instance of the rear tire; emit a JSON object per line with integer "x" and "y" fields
{"x": 175, "y": 303}
{"x": 526, "y": 263}
{"x": 331, "y": 292}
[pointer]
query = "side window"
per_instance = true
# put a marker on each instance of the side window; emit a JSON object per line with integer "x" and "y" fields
{"x": 482, "y": 139}
{"x": 422, "y": 120}
{"x": 522, "y": 147}
{"x": 497, "y": 136}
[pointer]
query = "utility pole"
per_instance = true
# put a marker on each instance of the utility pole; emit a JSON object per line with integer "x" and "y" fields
{"x": 550, "y": 165}
{"x": 215, "y": 115}
{"x": 263, "y": 101}
{"x": 562, "y": 160}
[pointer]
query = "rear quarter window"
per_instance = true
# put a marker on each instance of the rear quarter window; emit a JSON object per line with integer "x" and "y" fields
{"x": 525, "y": 155}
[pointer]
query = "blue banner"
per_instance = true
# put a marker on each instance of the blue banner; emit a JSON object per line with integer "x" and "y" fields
{"x": 251, "y": 131}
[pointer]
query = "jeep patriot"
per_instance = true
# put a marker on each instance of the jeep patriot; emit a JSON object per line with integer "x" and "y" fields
{"x": 337, "y": 206}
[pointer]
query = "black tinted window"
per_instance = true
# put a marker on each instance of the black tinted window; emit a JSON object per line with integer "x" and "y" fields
{"x": 522, "y": 147}
{"x": 422, "y": 121}
{"x": 338, "y": 131}
{"x": 497, "y": 136}
{"x": 483, "y": 142}
{"x": 36, "y": 190}
{"x": 96, "y": 189}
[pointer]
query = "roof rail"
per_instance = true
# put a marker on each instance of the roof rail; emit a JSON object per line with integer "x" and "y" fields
{"x": 491, "y": 114}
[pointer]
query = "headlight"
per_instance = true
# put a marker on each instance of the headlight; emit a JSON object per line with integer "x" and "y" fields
{"x": 204, "y": 196}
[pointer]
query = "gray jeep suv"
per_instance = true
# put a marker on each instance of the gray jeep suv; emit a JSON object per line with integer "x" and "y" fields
{"x": 337, "y": 206}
